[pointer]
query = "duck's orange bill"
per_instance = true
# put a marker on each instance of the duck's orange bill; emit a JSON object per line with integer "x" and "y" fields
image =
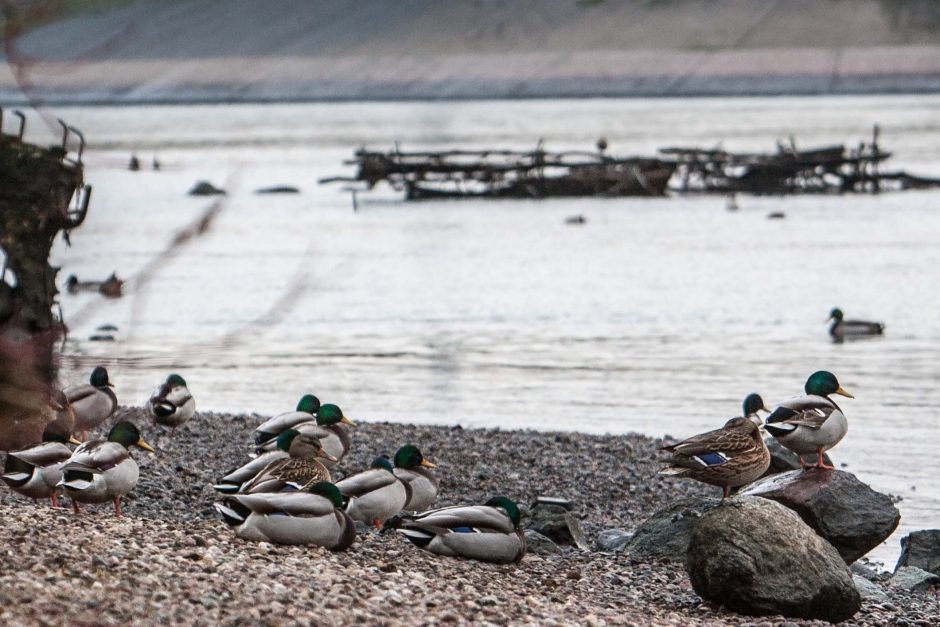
{"x": 842, "y": 392}
{"x": 347, "y": 421}
{"x": 428, "y": 464}
{"x": 142, "y": 444}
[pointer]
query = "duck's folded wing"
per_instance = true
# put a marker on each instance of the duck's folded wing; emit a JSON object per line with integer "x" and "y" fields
{"x": 365, "y": 482}
{"x": 43, "y": 454}
{"x": 466, "y": 517}
{"x": 289, "y": 503}
{"x": 178, "y": 395}
{"x": 97, "y": 456}
{"x": 252, "y": 468}
{"x": 273, "y": 426}
{"x": 805, "y": 411}
{"x": 729, "y": 442}
{"x": 77, "y": 393}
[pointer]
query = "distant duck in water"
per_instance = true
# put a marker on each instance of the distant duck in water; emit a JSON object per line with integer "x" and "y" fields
{"x": 842, "y": 328}
{"x": 812, "y": 423}
{"x": 94, "y": 403}
{"x": 112, "y": 287}
{"x": 171, "y": 404}
{"x": 729, "y": 457}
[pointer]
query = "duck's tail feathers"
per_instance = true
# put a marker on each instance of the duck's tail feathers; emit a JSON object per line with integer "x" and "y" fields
{"x": 227, "y": 488}
{"x": 233, "y": 512}
{"x": 396, "y": 521}
{"x": 163, "y": 409}
{"x": 779, "y": 430}
{"x": 673, "y": 471}
{"x": 418, "y": 537}
{"x": 77, "y": 480}
{"x": 16, "y": 479}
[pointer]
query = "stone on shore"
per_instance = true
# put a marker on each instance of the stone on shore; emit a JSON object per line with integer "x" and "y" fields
{"x": 557, "y": 524}
{"x": 538, "y": 544}
{"x": 204, "y": 188}
{"x": 913, "y": 579}
{"x": 921, "y": 549}
{"x": 869, "y": 590}
{"x": 755, "y": 556}
{"x": 843, "y": 510}
{"x": 612, "y": 540}
{"x": 666, "y": 533}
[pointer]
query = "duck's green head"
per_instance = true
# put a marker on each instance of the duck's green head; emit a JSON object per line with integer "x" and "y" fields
{"x": 824, "y": 383}
{"x": 99, "y": 377}
{"x": 382, "y": 462}
{"x": 409, "y": 458}
{"x": 835, "y": 314}
{"x": 308, "y": 403}
{"x": 286, "y": 438}
{"x": 753, "y": 403}
{"x": 507, "y": 506}
{"x": 127, "y": 434}
{"x": 174, "y": 380}
{"x": 328, "y": 491}
{"x": 331, "y": 414}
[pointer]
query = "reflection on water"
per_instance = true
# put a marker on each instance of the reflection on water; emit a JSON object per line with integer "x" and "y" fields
{"x": 657, "y": 315}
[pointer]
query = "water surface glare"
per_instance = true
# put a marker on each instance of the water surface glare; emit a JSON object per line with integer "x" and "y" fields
{"x": 658, "y": 315}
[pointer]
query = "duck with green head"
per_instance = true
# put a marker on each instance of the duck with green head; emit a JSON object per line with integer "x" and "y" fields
{"x": 314, "y": 516}
{"x": 171, "y": 404}
{"x": 302, "y": 468}
{"x": 729, "y": 457}
{"x": 328, "y": 427}
{"x": 307, "y": 408}
{"x": 375, "y": 494}
{"x": 412, "y": 468}
{"x": 753, "y": 404}
{"x": 842, "y": 328}
{"x": 92, "y": 403}
{"x": 103, "y": 470}
{"x": 36, "y": 470}
{"x": 488, "y": 532}
{"x": 812, "y": 423}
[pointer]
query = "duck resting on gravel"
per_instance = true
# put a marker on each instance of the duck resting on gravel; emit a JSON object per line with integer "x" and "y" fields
{"x": 313, "y": 516}
{"x": 842, "y": 328}
{"x": 36, "y": 470}
{"x": 306, "y": 411}
{"x": 301, "y": 469}
{"x": 812, "y": 423}
{"x": 412, "y": 468}
{"x": 729, "y": 457}
{"x": 171, "y": 404}
{"x": 488, "y": 532}
{"x": 92, "y": 403}
{"x": 103, "y": 470}
{"x": 375, "y": 494}
{"x": 328, "y": 427}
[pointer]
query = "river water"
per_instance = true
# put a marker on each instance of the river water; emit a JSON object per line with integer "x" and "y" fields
{"x": 657, "y": 315}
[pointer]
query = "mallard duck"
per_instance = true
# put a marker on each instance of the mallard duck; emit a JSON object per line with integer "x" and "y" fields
{"x": 753, "y": 404}
{"x": 36, "y": 470}
{"x": 233, "y": 481}
{"x": 301, "y": 469}
{"x": 306, "y": 411}
{"x": 103, "y": 470}
{"x": 328, "y": 428}
{"x": 413, "y": 469}
{"x": 812, "y": 423}
{"x": 171, "y": 404}
{"x": 842, "y": 328}
{"x": 488, "y": 532}
{"x": 92, "y": 403}
{"x": 314, "y": 516}
{"x": 375, "y": 494}
{"x": 732, "y": 456}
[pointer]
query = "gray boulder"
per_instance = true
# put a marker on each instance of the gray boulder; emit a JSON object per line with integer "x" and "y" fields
{"x": 755, "y": 556}
{"x": 783, "y": 459}
{"x": 843, "y": 510}
{"x": 612, "y": 540}
{"x": 921, "y": 549}
{"x": 557, "y": 524}
{"x": 666, "y": 533}
{"x": 539, "y": 544}
{"x": 913, "y": 579}
{"x": 868, "y": 590}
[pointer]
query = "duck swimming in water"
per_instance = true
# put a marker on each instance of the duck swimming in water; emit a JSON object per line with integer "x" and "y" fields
{"x": 842, "y": 328}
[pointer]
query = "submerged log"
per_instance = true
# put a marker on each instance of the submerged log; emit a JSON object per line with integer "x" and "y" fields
{"x": 36, "y": 189}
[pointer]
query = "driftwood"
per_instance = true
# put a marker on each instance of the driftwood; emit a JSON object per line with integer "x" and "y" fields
{"x": 37, "y": 186}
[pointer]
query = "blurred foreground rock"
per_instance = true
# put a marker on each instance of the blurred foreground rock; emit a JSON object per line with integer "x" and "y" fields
{"x": 755, "y": 556}
{"x": 921, "y": 549}
{"x": 843, "y": 510}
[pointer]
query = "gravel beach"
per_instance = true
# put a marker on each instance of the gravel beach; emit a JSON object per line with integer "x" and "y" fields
{"x": 171, "y": 559}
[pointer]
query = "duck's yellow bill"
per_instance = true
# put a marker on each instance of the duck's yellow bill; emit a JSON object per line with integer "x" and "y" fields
{"x": 74, "y": 440}
{"x": 330, "y": 457}
{"x": 428, "y": 464}
{"x": 142, "y": 444}
{"x": 348, "y": 421}
{"x": 842, "y": 392}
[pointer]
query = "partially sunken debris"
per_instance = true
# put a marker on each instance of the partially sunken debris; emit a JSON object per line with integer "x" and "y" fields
{"x": 42, "y": 192}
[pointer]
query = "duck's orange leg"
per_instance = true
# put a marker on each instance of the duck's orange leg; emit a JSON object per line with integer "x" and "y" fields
{"x": 819, "y": 460}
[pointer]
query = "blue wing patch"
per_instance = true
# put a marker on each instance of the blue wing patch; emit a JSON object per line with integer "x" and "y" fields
{"x": 711, "y": 459}
{"x": 463, "y": 530}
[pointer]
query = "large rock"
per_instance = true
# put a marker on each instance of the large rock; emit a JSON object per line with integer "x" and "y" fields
{"x": 557, "y": 524}
{"x": 755, "y": 556}
{"x": 843, "y": 510}
{"x": 666, "y": 533}
{"x": 921, "y": 549}
{"x": 913, "y": 579}
{"x": 783, "y": 459}
{"x": 612, "y": 540}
